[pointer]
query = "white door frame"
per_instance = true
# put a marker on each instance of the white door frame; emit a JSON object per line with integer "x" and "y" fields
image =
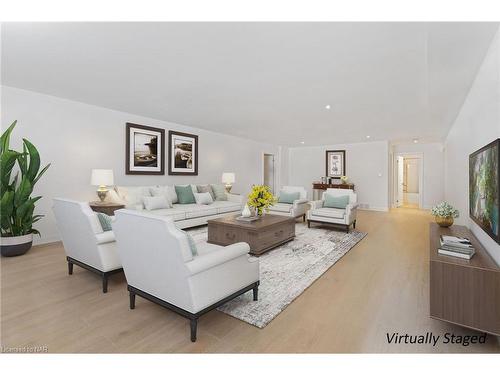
{"x": 419, "y": 155}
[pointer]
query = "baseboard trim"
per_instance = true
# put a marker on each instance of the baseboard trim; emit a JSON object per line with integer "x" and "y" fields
{"x": 381, "y": 209}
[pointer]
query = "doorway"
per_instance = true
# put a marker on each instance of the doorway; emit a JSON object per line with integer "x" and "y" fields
{"x": 269, "y": 171}
{"x": 408, "y": 171}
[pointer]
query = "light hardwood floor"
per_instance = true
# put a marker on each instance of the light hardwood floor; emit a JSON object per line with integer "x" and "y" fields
{"x": 379, "y": 287}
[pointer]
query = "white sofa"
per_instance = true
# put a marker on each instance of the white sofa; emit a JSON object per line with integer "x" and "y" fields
{"x": 184, "y": 215}
{"x": 296, "y": 209}
{"x": 160, "y": 267}
{"x": 85, "y": 243}
{"x": 344, "y": 217}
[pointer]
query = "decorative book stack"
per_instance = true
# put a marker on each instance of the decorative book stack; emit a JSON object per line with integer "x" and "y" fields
{"x": 459, "y": 247}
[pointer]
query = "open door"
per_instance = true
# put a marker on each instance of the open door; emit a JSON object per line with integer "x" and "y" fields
{"x": 399, "y": 201}
{"x": 269, "y": 171}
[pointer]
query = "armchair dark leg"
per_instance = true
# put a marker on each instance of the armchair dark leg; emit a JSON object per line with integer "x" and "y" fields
{"x": 194, "y": 324}
{"x": 132, "y": 300}
{"x": 255, "y": 292}
{"x": 304, "y": 218}
{"x": 70, "y": 268}
{"x": 354, "y": 224}
{"x": 309, "y": 223}
{"x": 347, "y": 228}
{"x": 104, "y": 283}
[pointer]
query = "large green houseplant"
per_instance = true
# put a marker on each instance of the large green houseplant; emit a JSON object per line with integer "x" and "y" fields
{"x": 19, "y": 172}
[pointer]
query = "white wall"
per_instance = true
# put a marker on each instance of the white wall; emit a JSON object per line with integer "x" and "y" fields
{"x": 77, "y": 137}
{"x": 477, "y": 124}
{"x": 433, "y": 170}
{"x": 364, "y": 163}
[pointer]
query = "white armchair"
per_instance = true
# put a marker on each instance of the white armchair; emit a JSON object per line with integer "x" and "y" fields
{"x": 160, "y": 267}
{"x": 340, "y": 216}
{"x": 296, "y": 209}
{"x": 85, "y": 243}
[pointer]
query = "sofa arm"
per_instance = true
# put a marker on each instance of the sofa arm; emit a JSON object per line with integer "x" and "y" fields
{"x": 225, "y": 254}
{"x": 298, "y": 202}
{"x": 105, "y": 237}
{"x": 350, "y": 211}
{"x": 316, "y": 204}
{"x": 235, "y": 198}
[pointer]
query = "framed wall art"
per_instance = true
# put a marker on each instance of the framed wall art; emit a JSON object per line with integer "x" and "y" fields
{"x": 144, "y": 150}
{"x": 484, "y": 188}
{"x": 182, "y": 153}
{"x": 335, "y": 163}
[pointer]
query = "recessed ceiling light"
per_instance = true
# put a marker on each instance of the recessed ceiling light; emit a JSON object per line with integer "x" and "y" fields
{"x": 328, "y": 106}
{"x": 302, "y": 142}
{"x": 368, "y": 136}
{"x": 415, "y": 140}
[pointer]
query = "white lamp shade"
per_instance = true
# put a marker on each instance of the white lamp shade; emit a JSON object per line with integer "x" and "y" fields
{"x": 228, "y": 178}
{"x": 102, "y": 177}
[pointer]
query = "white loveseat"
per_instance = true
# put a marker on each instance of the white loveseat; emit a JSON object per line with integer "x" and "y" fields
{"x": 85, "y": 243}
{"x": 340, "y": 216}
{"x": 296, "y": 209}
{"x": 160, "y": 266}
{"x": 184, "y": 215}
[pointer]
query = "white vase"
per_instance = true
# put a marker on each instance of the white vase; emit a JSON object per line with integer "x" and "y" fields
{"x": 246, "y": 211}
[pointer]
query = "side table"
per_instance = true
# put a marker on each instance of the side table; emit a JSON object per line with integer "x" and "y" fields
{"x": 105, "y": 207}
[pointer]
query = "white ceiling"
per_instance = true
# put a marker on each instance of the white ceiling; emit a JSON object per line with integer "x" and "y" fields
{"x": 265, "y": 81}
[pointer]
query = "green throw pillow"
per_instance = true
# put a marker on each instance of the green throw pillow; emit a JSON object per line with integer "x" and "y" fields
{"x": 192, "y": 244}
{"x": 288, "y": 197}
{"x": 336, "y": 201}
{"x": 185, "y": 194}
{"x": 219, "y": 192}
{"x": 105, "y": 221}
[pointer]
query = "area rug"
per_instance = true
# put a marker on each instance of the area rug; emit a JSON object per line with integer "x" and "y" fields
{"x": 288, "y": 270}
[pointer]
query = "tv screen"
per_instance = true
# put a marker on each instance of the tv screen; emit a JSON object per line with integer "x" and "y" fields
{"x": 484, "y": 188}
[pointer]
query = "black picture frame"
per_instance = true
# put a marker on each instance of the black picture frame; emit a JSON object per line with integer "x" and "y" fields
{"x": 190, "y": 142}
{"x": 142, "y": 161}
{"x": 328, "y": 155}
{"x": 477, "y": 161}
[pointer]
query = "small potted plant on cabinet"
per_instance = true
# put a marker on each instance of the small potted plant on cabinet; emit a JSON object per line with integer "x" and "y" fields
{"x": 16, "y": 204}
{"x": 444, "y": 213}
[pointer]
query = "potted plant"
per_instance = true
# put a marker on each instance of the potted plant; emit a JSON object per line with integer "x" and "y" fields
{"x": 444, "y": 214}
{"x": 261, "y": 198}
{"x": 16, "y": 204}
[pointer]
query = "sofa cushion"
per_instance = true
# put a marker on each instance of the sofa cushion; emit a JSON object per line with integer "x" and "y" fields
{"x": 333, "y": 213}
{"x": 288, "y": 197}
{"x": 203, "y": 198}
{"x": 206, "y": 189}
{"x": 132, "y": 195}
{"x": 340, "y": 201}
{"x": 281, "y": 207}
{"x": 175, "y": 213}
{"x": 226, "y": 206}
{"x": 162, "y": 191}
{"x": 156, "y": 203}
{"x": 200, "y": 211}
{"x": 185, "y": 194}
{"x": 105, "y": 221}
{"x": 219, "y": 192}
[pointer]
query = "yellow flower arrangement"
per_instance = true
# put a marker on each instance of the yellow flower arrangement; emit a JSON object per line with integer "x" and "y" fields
{"x": 261, "y": 198}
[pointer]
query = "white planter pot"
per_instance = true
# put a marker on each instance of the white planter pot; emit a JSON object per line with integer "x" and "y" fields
{"x": 14, "y": 246}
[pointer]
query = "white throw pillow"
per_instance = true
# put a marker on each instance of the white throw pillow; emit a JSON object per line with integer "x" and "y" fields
{"x": 203, "y": 198}
{"x": 171, "y": 193}
{"x": 155, "y": 203}
{"x": 162, "y": 191}
{"x": 113, "y": 197}
{"x": 132, "y": 195}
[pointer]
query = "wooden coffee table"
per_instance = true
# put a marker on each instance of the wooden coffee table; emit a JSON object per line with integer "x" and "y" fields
{"x": 262, "y": 235}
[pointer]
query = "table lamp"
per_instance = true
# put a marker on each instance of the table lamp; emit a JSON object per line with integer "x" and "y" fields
{"x": 102, "y": 178}
{"x": 228, "y": 178}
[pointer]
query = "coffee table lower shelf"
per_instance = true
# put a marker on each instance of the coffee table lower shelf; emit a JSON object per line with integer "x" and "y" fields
{"x": 262, "y": 235}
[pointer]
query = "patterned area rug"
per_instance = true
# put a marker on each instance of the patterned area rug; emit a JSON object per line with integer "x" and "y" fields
{"x": 288, "y": 270}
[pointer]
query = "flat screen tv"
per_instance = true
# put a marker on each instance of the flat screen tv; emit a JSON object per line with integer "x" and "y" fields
{"x": 484, "y": 188}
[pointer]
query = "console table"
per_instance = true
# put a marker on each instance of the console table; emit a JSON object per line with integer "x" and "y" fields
{"x": 464, "y": 292}
{"x": 319, "y": 187}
